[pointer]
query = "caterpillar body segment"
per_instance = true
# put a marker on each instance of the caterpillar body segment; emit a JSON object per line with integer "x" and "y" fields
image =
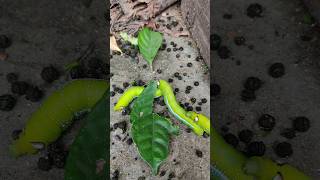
{"x": 201, "y": 120}
{"x": 176, "y": 109}
{"x": 227, "y": 160}
{"x": 264, "y": 169}
{"x": 129, "y": 95}
{"x": 55, "y": 114}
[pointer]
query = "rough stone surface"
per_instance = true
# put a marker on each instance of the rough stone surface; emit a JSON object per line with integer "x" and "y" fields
{"x": 182, "y": 160}
{"x": 275, "y": 38}
{"x": 42, "y": 33}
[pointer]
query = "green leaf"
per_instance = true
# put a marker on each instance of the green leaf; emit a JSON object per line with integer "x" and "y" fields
{"x": 89, "y": 149}
{"x": 143, "y": 104}
{"x": 149, "y": 43}
{"x": 150, "y": 132}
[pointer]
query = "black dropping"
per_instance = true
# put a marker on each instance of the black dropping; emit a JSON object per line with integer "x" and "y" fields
{"x": 198, "y": 108}
{"x": 34, "y": 94}
{"x": 168, "y": 49}
{"x": 193, "y": 100}
{"x": 172, "y": 175}
{"x": 283, "y": 149}
{"x": 187, "y": 91}
{"x": 189, "y": 108}
{"x": 254, "y": 10}
{"x": 196, "y": 83}
{"x": 215, "y": 89}
{"x": 288, "y": 133}
{"x": 144, "y": 66}
{"x": 115, "y": 175}
{"x": 5, "y": 42}
{"x": 231, "y": 139}
{"x": 162, "y": 173}
{"x": 189, "y": 64}
{"x": 179, "y": 77}
{"x": 276, "y": 70}
{"x": 267, "y": 122}
{"x": 7, "y": 102}
{"x": 125, "y": 111}
{"x": 176, "y": 90}
{"x": 141, "y": 83}
{"x": 239, "y": 40}
{"x": 159, "y": 71}
{"x": 125, "y": 84}
{"x": 245, "y": 135}
{"x": 248, "y": 95}
{"x": 181, "y": 48}
{"x": 227, "y": 16}
{"x": 224, "y": 52}
{"x": 122, "y": 125}
{"x": 19, "y": 87}
{"x": 15, "y": 134}
{"x": 44, "y": 163}
{"x": 204, "y": 100}
{"x": 59, "y": 159}
{"x": 112, "y": 93}
{"x": 12, "y": 77}
{"x": 188, "y": 88}
{"x": 129, "y": 141}
{"x": 252, "y": 83}
{"x": 176, "y": 74}
{"x": 170, "y": 80}
{"x": 301, "y": 124}
{"x": 215, "y": 41}
{"x": 256, "y": 148}
{"x": 49, "y": 74}
{"x": 199, "y": 153}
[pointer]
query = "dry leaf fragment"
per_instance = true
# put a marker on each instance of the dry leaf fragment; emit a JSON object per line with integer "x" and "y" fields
{"x": 113, "y": 44}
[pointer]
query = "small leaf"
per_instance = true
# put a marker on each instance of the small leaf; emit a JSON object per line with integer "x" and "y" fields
{"x": 150, "y": 132}
{"x": 149, "y": 43}
{"x": 151, "y": 135}
{"x": 129, "y": 38}
{"x": 113, "y": 44}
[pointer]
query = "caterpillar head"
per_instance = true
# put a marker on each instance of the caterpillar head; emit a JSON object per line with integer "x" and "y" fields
{"x": 201, "y": 120}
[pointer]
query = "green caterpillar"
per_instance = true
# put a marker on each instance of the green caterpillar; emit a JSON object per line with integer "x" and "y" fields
{"x": 56, "y": 113}
{"x": 228, "y": 163}
{"x": 197, "y": 122}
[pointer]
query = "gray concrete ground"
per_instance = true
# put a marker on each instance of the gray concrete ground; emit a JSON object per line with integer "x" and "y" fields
{"x": 182, "y": 160}
{"x": 42, "y": 33}
{"x": 275, "y": 38}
